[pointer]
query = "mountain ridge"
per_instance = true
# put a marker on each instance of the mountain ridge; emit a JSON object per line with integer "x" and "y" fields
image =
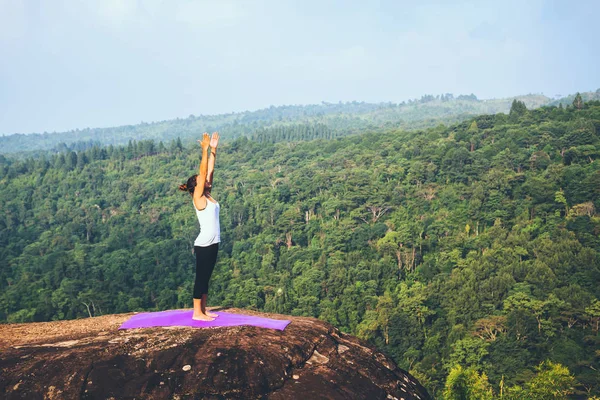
{"x": 345, "y": 118}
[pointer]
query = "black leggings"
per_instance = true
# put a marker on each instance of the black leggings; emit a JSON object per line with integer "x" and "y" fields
{"x": 206, "y": 258}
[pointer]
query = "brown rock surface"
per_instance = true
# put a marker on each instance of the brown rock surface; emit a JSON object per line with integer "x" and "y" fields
{"x": 91, "y": 359}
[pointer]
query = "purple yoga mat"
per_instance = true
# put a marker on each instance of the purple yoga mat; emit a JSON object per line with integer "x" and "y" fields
{"x": 184, "y": 318}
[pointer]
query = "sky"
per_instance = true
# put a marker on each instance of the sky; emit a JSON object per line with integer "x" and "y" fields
{"x": 67, "y": 64}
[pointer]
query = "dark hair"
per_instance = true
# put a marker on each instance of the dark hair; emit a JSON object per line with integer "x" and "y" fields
{"x": 190, "y": 185}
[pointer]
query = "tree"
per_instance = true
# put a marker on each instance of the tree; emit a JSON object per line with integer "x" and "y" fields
{"x": 517, "y": 110}
{"x": 81, "y": 160}
{"x": 473, "y": 127}
{"x": 472, "y": 131}
{"x": 489, "y": 328}
{"x": 469, "y": 351}
{"x": 71, "y": 160}
{"x": 400, "y": 245}
{"x": 467, "y": 384}
{"x": 541, "y": 309}
{"x": 578, "y": 101}
{"x": 593, "y": 312}
{"x": 412, "y": 300}
{"x": 378, "y": 319}
{"x": 560, "y": 198}
{"x": 552, "y": 382}
{"x": 582, "y": 132}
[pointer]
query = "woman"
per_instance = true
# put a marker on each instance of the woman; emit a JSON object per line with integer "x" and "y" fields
{"x": 206, "y": 244}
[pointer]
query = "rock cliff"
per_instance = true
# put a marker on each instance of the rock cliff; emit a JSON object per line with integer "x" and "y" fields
{"x": 91, "y": 359}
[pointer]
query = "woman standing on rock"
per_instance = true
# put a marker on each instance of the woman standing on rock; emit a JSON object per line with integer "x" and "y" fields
{"x": 206, "y": 244}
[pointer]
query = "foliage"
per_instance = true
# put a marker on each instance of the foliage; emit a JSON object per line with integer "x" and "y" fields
{"x": 366, "y": 231}
{"x": 467, "y": 384}
{"x": 552, "y": 382}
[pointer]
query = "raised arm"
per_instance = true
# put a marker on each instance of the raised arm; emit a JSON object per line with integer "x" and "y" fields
{"x": 199, "y": 199}
{"x": 214, "y": 142}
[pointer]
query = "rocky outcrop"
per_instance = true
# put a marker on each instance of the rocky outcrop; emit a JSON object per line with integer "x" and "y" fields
{"x": 92, "y": 359}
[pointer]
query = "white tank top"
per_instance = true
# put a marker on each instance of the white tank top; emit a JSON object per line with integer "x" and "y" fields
{"x": 210, "y": 230}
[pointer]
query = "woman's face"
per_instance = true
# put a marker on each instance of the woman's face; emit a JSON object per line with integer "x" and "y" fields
{"x": 207, "y": 187}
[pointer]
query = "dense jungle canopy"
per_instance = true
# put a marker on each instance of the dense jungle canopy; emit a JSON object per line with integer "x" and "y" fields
{"x": 469, "y": 252}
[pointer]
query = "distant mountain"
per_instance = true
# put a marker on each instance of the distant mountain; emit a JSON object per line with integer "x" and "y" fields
{"x": 339, "y": 119}
{"x": 289, "y": 122}
{"x": 586, "y": 96}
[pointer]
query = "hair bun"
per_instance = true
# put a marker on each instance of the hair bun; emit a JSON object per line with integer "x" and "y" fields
{"x": 183, "y": 187}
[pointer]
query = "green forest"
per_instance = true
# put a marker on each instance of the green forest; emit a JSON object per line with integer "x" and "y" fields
{"x": 469, "y": 253}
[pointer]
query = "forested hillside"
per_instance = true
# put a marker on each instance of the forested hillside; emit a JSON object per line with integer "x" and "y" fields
{"x": 324, "y": 120}
{"x": 469, "y": 253}
{"x": 585, "y": 96}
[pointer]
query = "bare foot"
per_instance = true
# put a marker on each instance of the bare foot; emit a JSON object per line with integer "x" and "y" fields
{"x": 212, "y": 314}
{"x": 202, "y": 317}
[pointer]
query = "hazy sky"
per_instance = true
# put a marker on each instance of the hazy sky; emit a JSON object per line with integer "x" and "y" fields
{"x": 68, "y": 64}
